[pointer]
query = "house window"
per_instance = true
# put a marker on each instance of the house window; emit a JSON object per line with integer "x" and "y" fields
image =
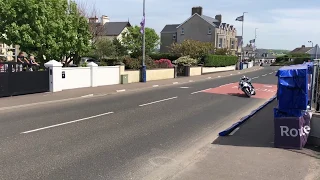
{"x": 232, "y": 44}
{"x": 220, "y": 43}
{"x": 182, "y": 30}
{"x": 174, "y": 36}
{"x": 209, "y": 30}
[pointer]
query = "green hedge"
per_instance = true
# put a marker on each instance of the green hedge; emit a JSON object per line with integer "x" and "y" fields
{"x": 219, "y": 60}
{"x": 157, "y": 56}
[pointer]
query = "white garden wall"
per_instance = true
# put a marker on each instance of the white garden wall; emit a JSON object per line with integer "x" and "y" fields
{"x": 106, "y": 75}
{"x": 76, "y": 77}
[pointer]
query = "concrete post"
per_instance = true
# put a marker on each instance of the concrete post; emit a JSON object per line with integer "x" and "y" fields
{"x": 93, "y": 69}
{"x": 55, "y": 73}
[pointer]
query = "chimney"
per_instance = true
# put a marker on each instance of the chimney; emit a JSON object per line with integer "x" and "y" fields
{"x": 303, "y": 46}
{"x": 104, "y": 19}
{"x": 93, "y": 20}
{"x": 197, "y": 10}
{"x": 219, "y": 18}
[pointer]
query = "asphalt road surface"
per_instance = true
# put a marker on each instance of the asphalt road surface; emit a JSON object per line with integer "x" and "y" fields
{"x": 134, "y": 135}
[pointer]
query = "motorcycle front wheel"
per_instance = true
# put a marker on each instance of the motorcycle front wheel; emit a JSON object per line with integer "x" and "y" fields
{"x": 247, "y": 92}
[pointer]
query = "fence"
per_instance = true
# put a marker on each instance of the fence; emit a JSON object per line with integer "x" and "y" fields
{"x": 19, "y": 79}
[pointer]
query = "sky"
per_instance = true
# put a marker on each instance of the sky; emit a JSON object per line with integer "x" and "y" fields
{"x": 282, "y": 24}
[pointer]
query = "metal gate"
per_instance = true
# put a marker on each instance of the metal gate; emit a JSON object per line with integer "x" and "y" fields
{"x": 19, "y": 79}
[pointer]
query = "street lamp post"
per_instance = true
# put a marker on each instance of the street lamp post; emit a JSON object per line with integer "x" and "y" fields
{"x": 143, "y": 70}
{"x": 242, "y": 37}
{"x": 311, "y": 43}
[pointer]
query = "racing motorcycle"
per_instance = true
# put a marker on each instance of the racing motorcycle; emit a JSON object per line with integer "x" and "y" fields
{"x": 246, "y": 87}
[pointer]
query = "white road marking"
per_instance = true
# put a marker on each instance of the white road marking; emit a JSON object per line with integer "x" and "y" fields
{"x": 271, "y": 73}
{"x": 239, "y": 72}
{"x": 264, "y": 74}
{"x": 200, "y": 91}
{"x": 157, "y": 101}
{"x": 89, "y": 95}
{"x": 234, "y": 131}
{"x": 175, "y": 82}
{"x": 219, "y": 76}
{"x": 191, "y": 81}
{"x": 184, "y": 87}
{"x": 208, "y": 77}
{"x": 61, "y": 124}
{"x": 231, "y": 74}
{"x": 121, "y": 90}
{"x": 255, "y": 77}
{"x": 155, "y": 85}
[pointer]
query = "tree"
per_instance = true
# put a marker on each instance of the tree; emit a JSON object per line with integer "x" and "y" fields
{"x": 104, "y": 48}
{"x": 50, "y": 28}
{"x": 120, "y": 50}
{"x": 192, "y": 48}
{"x": 95, "y": 28}
{"x": 132, "y": 40}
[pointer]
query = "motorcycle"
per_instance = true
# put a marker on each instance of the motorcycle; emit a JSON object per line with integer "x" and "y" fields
{"x": 247, "y": 88}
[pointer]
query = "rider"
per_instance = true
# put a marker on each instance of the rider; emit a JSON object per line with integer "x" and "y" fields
{"x": 246, "y": 79}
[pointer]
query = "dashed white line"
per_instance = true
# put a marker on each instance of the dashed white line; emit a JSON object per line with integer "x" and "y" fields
{"x": 208, "y": 77}
{"x": 155, "y": 85}
{"x": 61, "y": 124}
{"x": 157, "y": 101}
{"x": 219, "y": 76}
{"x": 184, "y": 87}
{"x": 89, "y": 95}
{"x": 121, "y": 90}
{"x": 175, "y": 82}
{"x": 234, "y": 131}
{"x": 231, "y": 74}
{"x": 191, "y": 81}
{"x": 271, "y": 73}
{"x": 200, "y": 91}
{"x": 239, "y": 72}
{"x": 255, "y": 77}
{"x": 264, "y": 74}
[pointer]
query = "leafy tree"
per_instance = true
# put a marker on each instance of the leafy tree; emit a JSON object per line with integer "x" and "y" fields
{"x": 222, "y": 51}
{"x": 192, "y": 48}
{"x": 120, "y": 50}
{"x": 132, "y": 40}
{"x": 50, "y": 28}
{"x": 104, "y": 48}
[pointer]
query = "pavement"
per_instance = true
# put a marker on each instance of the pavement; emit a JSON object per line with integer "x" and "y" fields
{"x": 152, "y": 133}
{"x": 248, "y": 154}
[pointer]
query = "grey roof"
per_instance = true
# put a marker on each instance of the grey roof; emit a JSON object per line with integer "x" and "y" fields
{"x": 210, "y": 20}
{"x": 114, "y": 28}
{"x": 264, "y": 54}
{"x": 301, "y": 49}
{"x": 170, "y": 28}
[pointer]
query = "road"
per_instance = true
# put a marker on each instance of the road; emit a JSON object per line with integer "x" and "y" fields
{"x": 134, "y": 135}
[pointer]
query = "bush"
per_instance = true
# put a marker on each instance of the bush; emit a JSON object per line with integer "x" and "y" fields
{"x": 131, "y": 63}
{"x": 192, "y": 48}
{"x": 149, "y": 62}
{"x": 220, "y": 60}
{"x": 169, "y": 56}
{"x": 163, "y": 63}
{"x": 187, "y": 60}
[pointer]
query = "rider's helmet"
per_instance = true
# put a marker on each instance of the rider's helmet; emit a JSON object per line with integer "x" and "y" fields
{"x": 243, "y": 77}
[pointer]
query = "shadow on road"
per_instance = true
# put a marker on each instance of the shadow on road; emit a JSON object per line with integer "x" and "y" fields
{"x": 258, "y": 132}
{"x": 237, "y": 94}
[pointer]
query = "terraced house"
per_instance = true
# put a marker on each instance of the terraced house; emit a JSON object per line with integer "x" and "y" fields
{"x": 202, "y": 28}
